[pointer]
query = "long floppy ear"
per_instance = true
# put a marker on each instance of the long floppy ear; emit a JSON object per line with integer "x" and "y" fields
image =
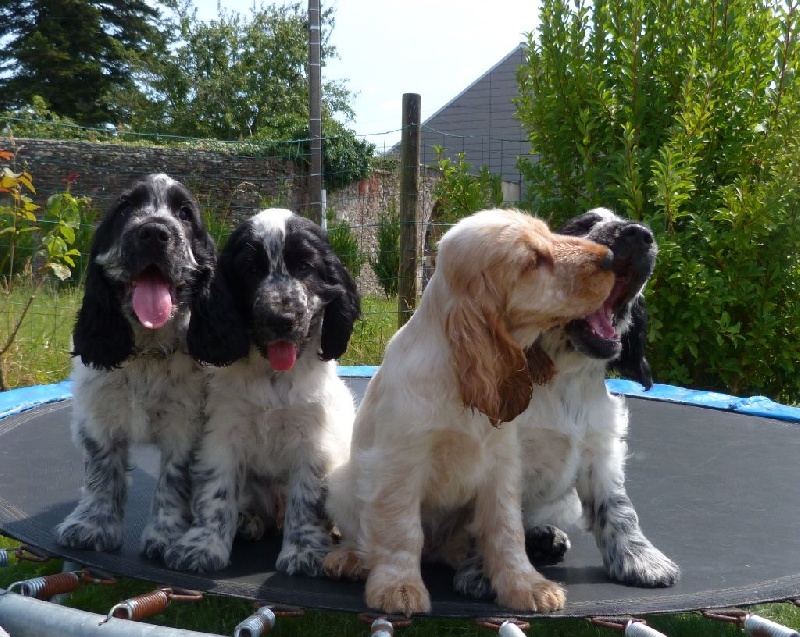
{"x": 632, "y": 362}
{"x": 102, "y": 336}
{"x": 341, "y": 312}
{"x": 540, "y": 366}
{"x": 492, "y": 370}
{"x": 218, "y": 334}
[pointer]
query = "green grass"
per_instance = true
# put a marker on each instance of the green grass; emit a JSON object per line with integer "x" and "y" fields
{"x": 372, "y": 332}
{"x": 40, "y": 355}
{"x": 40, "y": 352}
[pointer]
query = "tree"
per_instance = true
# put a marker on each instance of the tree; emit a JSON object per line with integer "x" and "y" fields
{"x": 242, "y": 77}
{"x": 246, "y": 78}
{"x": 683, "y": 115}
{"x": 75, "y": 53}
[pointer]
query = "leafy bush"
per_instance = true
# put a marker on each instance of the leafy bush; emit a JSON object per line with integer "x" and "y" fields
{"x": 459, "y": 192}
{"x": 57, "y": 232}
{"x": 683, "y": 116}
{"x": 345, "y": 158}
{"x": 345, "y": 244}
{"x": 386, "y": 263}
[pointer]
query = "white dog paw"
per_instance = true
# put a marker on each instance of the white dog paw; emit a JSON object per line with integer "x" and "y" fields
{"x": 529, "y": 592}
{"x": 404, "y": 596}
{"x": 301, "y": 560}
{"x": 95, "y": 532}
{"x": 200, "y": 550}
{"x": 157, "y": 537}
{"x": 344, "y": 562}
{"x": 641, "y": 565}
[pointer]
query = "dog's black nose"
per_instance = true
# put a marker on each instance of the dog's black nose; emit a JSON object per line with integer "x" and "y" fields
{"x": 154, "y": 231}
{"x": 279, "y": 323}
{"x": 608, "y": 261}
{"x": 635, "y": 233}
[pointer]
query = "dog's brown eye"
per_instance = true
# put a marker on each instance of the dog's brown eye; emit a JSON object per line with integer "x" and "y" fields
{"x": 125, "y": 207}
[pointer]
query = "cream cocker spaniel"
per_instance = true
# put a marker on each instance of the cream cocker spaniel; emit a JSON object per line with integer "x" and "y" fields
{"x": 434, "y": 440}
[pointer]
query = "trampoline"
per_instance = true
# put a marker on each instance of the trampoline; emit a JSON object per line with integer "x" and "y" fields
{"x": 713, "y": 478}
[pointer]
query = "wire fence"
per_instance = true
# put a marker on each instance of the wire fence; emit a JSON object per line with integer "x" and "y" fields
{"x": 231, "y": 181}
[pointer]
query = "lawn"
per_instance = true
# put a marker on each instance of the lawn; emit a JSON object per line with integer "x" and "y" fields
{"x": 40, "y": 355}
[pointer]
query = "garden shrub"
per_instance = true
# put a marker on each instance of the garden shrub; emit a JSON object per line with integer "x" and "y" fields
{"x": 459, "y": 191}
{"x": 386, "y": 263}
{"x": 682, "y": 115}
{"x": 345, "y": 244}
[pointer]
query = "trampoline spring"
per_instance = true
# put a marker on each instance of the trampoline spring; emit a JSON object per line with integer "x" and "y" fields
{"x": 21, "y": 552}
{"x": 280, "y": 610}
{"x": 641, "y": 629}
{"x": 28, "y": 554}
{"x": 142, "y": 606}
{"x": 395, "y": 621}
{"x": 631, "y": 626}
{"x": 504, "y": 626}
{"x": 48, "y": 585}
{"x": 730, "y": 615}
{"x": 381, "y": 627}
{"x": 259, "y": 623}
{"x": 95, "y": 576}
{"x": 761, "y": 627}
{"x": 510, "y": 629}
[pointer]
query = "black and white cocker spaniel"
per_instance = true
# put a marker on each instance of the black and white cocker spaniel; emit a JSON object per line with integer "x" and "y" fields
{"x": 279, "y": 419}
{"x": 572, "y": 435}
{"x": 134, "y": 380}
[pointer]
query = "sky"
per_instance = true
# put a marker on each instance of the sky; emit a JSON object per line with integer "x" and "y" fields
{"x": 435, "y": 48}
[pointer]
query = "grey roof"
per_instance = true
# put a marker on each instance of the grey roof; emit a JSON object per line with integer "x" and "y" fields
{"x": 480, "y": 122}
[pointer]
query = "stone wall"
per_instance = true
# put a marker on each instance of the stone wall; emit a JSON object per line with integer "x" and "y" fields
{"x": 232, "y": 186}
{"x": 362, "y": 203}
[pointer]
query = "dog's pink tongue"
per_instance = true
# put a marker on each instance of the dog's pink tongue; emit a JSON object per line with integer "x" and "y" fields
{"x": 282, "y": 355}
{"x": 601, "y": 325}
{"x": 152, "y": 299}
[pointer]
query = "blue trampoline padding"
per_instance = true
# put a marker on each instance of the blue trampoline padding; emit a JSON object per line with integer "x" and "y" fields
{"x": 753, "y": 406}
{"x": 358, "y": 371}
{"x": 17, "y": 400}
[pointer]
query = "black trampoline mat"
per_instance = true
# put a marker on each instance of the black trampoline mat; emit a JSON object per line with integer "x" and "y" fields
{"x": 716, "y": 491}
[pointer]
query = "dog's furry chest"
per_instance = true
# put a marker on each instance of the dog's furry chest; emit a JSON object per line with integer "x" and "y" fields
{"x": 565, "y": 422}
{"x": 462, "y": 462}
{"x": 148, "y": 399}
{"x": 277, "y": 418}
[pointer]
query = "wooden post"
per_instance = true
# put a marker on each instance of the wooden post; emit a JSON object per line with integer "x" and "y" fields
{"x": 409, "y": 190}
{"x": 315, "y": 112}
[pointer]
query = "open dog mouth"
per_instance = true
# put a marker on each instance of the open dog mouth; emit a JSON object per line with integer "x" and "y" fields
{"x": 602, "y": 323}
{"x": 152, "y": 298}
